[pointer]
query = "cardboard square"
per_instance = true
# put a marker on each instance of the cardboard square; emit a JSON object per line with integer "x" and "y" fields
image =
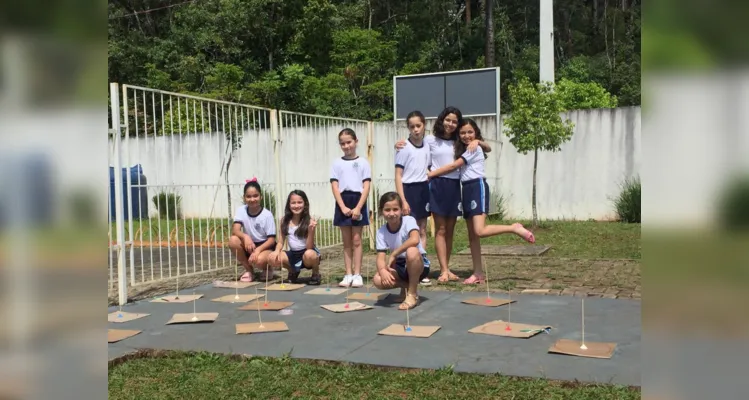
{"x": 340, "y": 308}
{"x": 572, "y": 348}
{"x": 187, "y": 318}
{"x": 183, "y": 298}
{"x": 517, "y": 330}
{"x": 487, "y": 302}
{"x": 234, "y": 284}
{"x": 115, "y": 335}
{"x": 367, "y": 296}
{"x": 416, "y": 331}
{"x": 284, "y": 287}
{"x": 535, "y": 291}
{"x": 266, "y": 305}
{"x": 243, "y": 298}
{"x": 327, "y": 291}
{"x": 255, "y": 327}
{"x": 124, "y": 316}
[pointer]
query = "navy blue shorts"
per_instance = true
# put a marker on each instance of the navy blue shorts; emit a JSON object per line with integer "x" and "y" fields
{"x": 350, "y": 199}
{"x": 444, "y": 197}
{"x": 475, "y": 197}
{"x": 400, "y": 268}
{"x": 417, "y": 196}
{"x": 296, "y": 258}
{"x": 257, "y": 244}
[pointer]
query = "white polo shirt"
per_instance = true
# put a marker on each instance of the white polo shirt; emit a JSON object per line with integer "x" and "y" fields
{"x": 260, "y": 227}
{"x": 414, "y": 160}
{"x": 389, "y": 241}
{"x": 350, "y": 174}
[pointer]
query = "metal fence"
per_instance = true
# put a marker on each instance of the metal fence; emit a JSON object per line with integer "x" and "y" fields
{"x": 178, "y": 164}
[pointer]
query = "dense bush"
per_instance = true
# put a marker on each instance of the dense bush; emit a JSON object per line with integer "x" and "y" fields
{"x": 169, "y": 205}
{"x": 733, "y": 208}
{"x": 628, "y": 204}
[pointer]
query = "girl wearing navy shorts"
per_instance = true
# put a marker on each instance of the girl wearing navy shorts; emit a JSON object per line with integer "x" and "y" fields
{"x": 411, "y": 181}
{"x": 407, "y": 263}
{"x": 350, "y": 178}
{"x": 298, "y": 229}
{"x": 444, "y": 191}
{"x": 253, "y": 233}
{"x": 475, "y": 194}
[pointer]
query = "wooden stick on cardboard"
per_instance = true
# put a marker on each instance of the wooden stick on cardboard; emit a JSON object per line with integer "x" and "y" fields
{"x": 236, "y": 272}
{"x": 583, "y": 346}
{"x": 259, "y": 318}
{"x": 194, "y": 314}
{"x": 486, "y": 278}
{"x": 408, "y": 319}
{"x": 509, "y": 311}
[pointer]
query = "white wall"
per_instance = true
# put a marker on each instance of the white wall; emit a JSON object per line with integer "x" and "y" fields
{"x": 576, "y": 183}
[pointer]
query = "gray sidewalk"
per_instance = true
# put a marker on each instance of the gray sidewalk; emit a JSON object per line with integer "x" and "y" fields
{"x": 316, "y": 333}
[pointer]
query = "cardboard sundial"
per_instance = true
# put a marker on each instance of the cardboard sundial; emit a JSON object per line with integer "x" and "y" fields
{"x": 234, "y": 284}
{"x": 266, "y": 305}
{"x": 583, "y": 348}
{"x": 122, "y": 316}
{"x": 262, "y": 327}
{"x": 367, "y": 296}
{"x": 327, "y": 291}
{"x": 509, "y": 329}
{"x": 592, "y": 349}
{"x": 409, "y": 331}
{"x": 487, "y": 301}
{"x": 284, "y": 286}
{"x": 238, "y": 298}
{"x": 192, "y": 318}
{"x": 182, "y": 298}
{"x": 115, "y": 335}
{"x": 346, "y": 307}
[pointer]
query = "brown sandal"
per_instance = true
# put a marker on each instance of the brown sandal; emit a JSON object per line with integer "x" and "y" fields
{"x": 408, "y": 305}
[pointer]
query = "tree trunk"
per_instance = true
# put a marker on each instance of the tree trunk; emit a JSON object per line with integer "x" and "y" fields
{"x": 535, "y": 168}
{"x": 369, "y": 5}
{"x": 468, "y": 12}
{"x": 489, "y": 20}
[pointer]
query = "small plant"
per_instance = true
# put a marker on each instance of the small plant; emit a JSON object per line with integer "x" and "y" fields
{"x": 501, "y": 202}
{"x": 627, "y": 205}
{"x": 733, "y": 208}
{"x": 169, "y": 205}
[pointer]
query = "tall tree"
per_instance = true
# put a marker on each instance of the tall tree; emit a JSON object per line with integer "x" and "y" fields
{"x": 489, "y": 19}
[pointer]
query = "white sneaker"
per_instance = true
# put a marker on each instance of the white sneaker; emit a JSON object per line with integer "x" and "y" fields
{"x": 346, "y": 282}
{"x": 357, "y": 281}
{"x": 426, "y": 282}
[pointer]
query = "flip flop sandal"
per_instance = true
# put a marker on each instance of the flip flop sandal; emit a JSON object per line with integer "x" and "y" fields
{"x": 474, "y": 280}
{"x": 293, "y": 276}
{"x": 408, "y": 304}
{"x": 246, "y": 277}
{"x": 314, "y": 280}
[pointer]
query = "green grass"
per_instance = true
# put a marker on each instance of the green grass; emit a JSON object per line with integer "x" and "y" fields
{"x": 177, "y": 375}
{"x": 572, "y": 239}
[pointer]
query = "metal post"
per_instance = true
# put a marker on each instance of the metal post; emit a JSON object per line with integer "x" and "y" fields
{"x": 118, "y": 192}
{"x": 372, "y": 185}
{"x": 277, "y": 141}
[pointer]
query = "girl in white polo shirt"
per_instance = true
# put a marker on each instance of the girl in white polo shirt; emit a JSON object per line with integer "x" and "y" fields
{"x": 350, "y": 177}
{"x": 253, "y": 233}
{"x": 298, "y": 229}
{"x": 475, "y": 196}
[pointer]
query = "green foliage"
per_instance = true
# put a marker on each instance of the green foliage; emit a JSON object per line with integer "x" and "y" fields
{"x": 169, "y": 205}
{"x": 583, "y": 95}
{"x": 338, "y": 57}
{"x": 733, "y": 208}
{"x": 628, "y": 204}
{"x": 535, "y": 122}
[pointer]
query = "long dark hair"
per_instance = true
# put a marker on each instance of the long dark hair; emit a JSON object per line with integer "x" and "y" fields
{"x": 439, "y": 128}
{"x": 460, "y": 147}
{"x": 301, "y": 230}
{"x": 252, "y": 184}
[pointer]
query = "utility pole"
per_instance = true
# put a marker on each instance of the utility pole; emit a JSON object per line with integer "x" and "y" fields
{"x": 489, "y": 20}
{"x": 546, "y": 43}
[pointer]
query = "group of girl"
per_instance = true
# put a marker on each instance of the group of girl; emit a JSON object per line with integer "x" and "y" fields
{"x": 442, "y": 174}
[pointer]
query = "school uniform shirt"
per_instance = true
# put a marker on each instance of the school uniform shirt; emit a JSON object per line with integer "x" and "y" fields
{"x": 474, "y": 165}
{"x": 442, "y": 153}
{"x": 260, "y": 226}
{"x": 350, "y": 174}
{"x": 295, "y": 243}
{"x": 414, "y": 160}
{"x": 389, "y": 241}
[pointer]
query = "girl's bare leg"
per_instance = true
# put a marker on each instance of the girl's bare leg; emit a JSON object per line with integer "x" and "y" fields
{"x": 483, "y": 230}
{"x": 235, "y": 244}
{"x": 474, "y": 242}
{"x": 358, "y": 252}
{"x": 348, "y": 247}
{"x": 423, "y": 232}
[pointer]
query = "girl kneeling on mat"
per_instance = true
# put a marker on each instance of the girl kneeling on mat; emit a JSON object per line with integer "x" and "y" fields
{"x": 407, "y": 264}
{"x": 299, "y": 230}
{"x": 475, "y": 195}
